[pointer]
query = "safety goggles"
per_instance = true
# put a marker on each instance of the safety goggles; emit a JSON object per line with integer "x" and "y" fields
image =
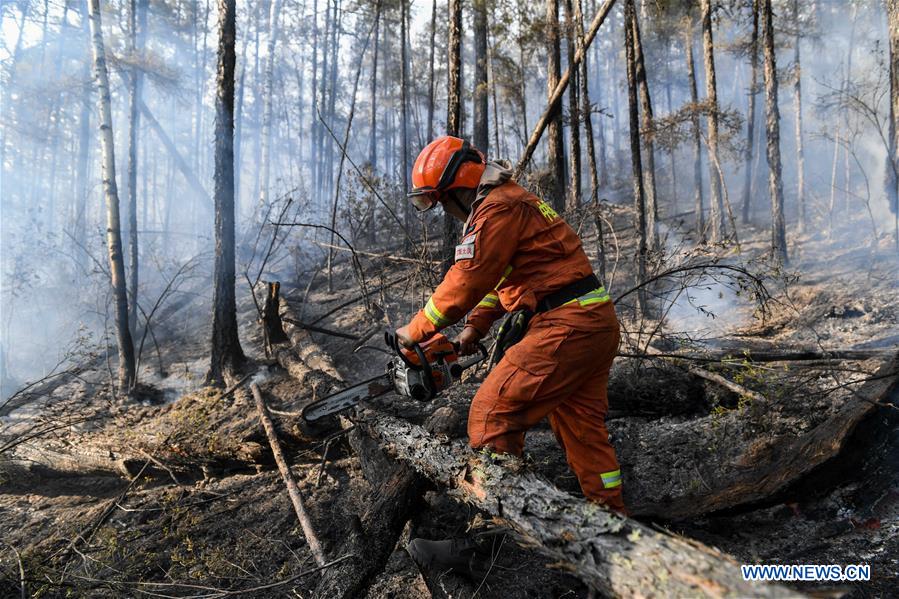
{"x": 426, "y": 198}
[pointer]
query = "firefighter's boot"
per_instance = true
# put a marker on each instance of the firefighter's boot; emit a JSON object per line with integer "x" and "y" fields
{"x": 463, "y": 556}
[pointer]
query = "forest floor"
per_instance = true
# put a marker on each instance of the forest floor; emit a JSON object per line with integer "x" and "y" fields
{"x": 211, "y": 511}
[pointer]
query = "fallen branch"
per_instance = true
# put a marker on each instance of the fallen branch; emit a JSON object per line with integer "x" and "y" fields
{"x": 357, "y": 299}
{"x": 727, "y": 384}
{"x": 315, "y": 329}
{"x": 21, "y": 570}
{"x": 391, "y": 257}
{"x": 292, "y": 490}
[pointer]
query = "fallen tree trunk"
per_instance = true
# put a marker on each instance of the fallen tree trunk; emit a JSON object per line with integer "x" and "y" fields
{"x": 612, "y": 554}
{"x": 396, "y": 489}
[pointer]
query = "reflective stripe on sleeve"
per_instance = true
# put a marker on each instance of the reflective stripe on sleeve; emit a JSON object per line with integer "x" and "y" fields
{"x": 490, "y": 300}
{"x": 436, "y": 316}
{"x": 611, "y": 479}
{"x": 506, "y": 274}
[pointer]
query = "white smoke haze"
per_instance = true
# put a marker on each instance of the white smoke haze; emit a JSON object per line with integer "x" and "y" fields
{"x": 52, "y": 216}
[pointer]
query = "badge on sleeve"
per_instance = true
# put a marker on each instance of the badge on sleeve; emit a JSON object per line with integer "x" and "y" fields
{"x": 465, "y": 249}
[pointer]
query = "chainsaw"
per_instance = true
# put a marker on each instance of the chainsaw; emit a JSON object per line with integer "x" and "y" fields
{"x": 421, "y": 372}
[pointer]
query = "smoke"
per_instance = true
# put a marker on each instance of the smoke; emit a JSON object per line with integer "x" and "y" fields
{"x": 52, "y": 214}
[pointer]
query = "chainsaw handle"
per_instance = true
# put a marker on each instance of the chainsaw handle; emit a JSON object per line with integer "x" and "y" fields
{"x": 426, "y": 367}
{"x": 393, "y": 343}
{"x": 467, "y": 362}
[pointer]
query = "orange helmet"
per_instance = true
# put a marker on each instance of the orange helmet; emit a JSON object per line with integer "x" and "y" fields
{"x": 445, "y": 163}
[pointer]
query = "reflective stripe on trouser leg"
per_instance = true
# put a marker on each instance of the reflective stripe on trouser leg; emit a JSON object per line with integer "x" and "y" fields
{"x": 611, "y": 479}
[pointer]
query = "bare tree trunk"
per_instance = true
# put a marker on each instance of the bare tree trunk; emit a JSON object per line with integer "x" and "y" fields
{"x": 697, "y": 134}
{"x": 892, "y": 170}
{"x": 672, "y": 150}
{"x": 636, "y": 160}
{"x": 652, "y": 207}
{"x": 716, "y": 214}
{"x": 136, "y": 6}
{"x": 453, "y": 113}
{"x": 316, "y": 127}
{"x": 588, "y": 135}
{"x": 555, "y": 149}
{"x": 480, "y": 134}
{"x": 750, "y": 115}
{"x": 585, "y": 103}
{"x": 238, "y": 120}
{"x": 797, "y": 101}
{"x": 573, "y": 198}
{"x": 775, "y": 179}
{"x": 336, "y": 21}
{"x": 522, "y": 64}
{"x": 404, "y": 110}
{"x": 226, "y": 353}
{"x": 113, "y": 226}
{"x": 267, "y": 94}
{"x": 373, "y": 122}
{"x": 431, "y": 72}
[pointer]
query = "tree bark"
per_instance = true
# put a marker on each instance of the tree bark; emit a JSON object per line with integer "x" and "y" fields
{"x": 433, "y": 32}
{"x": 573, "y": 198}
{"x": 892, "y": 170}
{"x": 750, "y": 114}
{"x": 555, "y": 148}
{"x": 137, "y": 35}
{"x": 336, "y": 30}
{"x": 636, "y": 161}
{"x": 404, "y": 115}
{"x": 775, "y": 178}
{"x": 618, "y": 556}
{"x": 396, "y": 492}
{"x": 226, "y": 353}
{"x": 716, "y": 214}
{"x": 480, "y": 133}
{"x": 316, "y": 126}
{"x": 697, "y": 133}
{"x": 113, "y": 226}
{"x": 268, "y": 100}
{"x": 586, "y": 106}
{"x": 591, "y": 149}
{"x": 797, "y": 109}
{"x": 453, "y": 114}
{"x": 648, "y": 126}
{"x": 373, "y": 124}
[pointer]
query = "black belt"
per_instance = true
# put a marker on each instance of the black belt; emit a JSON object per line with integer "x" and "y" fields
{"x": 568, "y": 293}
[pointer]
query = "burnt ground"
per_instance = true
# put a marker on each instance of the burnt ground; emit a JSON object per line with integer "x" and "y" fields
{"x": 211, "y": 511}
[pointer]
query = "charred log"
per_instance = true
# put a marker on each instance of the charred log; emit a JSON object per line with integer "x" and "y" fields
{"x": 611, "y": 553}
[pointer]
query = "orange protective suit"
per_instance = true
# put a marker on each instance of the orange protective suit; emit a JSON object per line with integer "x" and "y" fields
{"x": 514, "y": 251}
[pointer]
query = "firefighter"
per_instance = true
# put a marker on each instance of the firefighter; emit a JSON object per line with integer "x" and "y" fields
{"x": 517, "y": 256}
